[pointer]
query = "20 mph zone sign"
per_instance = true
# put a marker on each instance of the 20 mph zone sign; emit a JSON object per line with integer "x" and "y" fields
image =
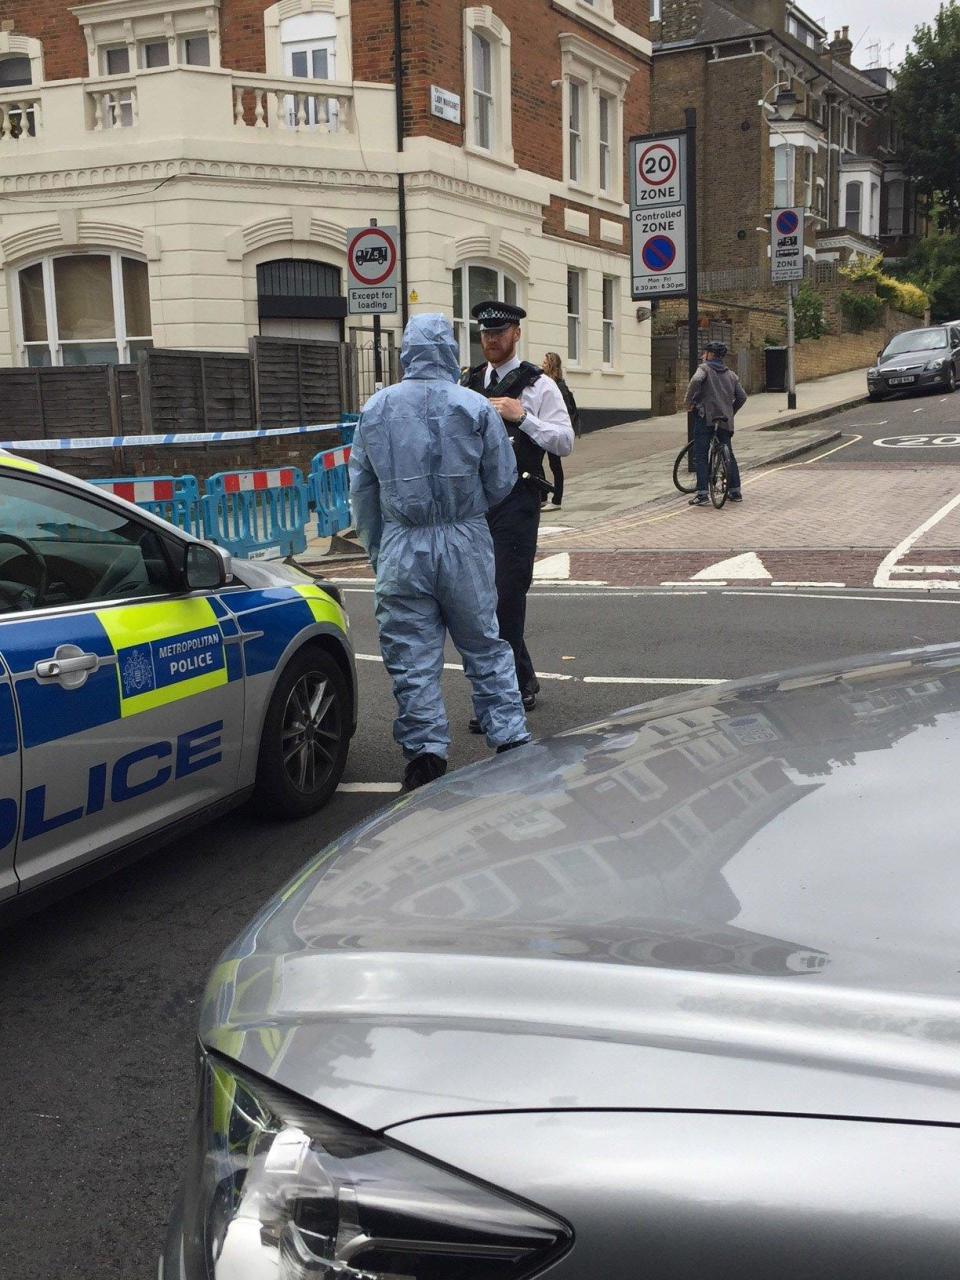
{"x": 372, "y": 270}
{"x": 658, "y": 216}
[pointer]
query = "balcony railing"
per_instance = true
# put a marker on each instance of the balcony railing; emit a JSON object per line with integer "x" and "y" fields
{"x": 289, "y": 106}
{"x": 19, "y": 115}
{"x": 160, "y": 106}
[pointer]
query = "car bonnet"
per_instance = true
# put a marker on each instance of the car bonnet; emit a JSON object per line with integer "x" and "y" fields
{"x": 737, "y": 900}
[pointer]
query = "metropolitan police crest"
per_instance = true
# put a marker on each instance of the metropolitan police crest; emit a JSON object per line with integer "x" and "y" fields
{"x": 136, "y": 672}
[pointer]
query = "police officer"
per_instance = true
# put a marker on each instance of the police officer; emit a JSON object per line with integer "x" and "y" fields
{"x": 537, "y": 421}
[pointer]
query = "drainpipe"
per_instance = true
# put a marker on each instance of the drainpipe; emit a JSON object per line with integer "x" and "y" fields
{"x": 401, "y": 188}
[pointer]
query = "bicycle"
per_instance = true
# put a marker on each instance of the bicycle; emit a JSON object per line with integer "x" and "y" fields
{"x": 718, "y": 468}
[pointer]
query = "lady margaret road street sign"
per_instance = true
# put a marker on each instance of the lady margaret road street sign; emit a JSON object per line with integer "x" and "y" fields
{"x": 658, "y": 216}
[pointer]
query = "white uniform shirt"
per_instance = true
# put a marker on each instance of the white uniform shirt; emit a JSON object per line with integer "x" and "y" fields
{"x": 547, "y": 422}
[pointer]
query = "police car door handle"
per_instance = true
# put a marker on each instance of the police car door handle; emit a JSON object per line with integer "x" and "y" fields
{"x": 52, "y": 668}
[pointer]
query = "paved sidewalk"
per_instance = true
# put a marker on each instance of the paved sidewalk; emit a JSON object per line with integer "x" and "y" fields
{"x": 617, "y": 470}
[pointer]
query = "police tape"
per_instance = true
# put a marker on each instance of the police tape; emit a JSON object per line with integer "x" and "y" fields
{"x": 181, "y": 437}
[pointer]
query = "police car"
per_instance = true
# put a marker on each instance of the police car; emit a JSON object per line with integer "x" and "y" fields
{"x": 147, "y": 680}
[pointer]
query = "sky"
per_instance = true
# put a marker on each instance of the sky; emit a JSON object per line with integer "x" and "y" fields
{"x": 889, "y": 21}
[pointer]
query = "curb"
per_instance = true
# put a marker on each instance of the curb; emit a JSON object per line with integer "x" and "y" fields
{"x": 795, "y": 452}
{"x": 814, "y": 415}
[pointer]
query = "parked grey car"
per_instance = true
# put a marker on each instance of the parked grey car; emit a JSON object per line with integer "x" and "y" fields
{"x": 918, "y": 359}
{"x": 674, "y": 995}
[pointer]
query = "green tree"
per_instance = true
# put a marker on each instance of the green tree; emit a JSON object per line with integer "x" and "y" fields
{"x": 926, "y": 105}
{"x": 934, "y": 265}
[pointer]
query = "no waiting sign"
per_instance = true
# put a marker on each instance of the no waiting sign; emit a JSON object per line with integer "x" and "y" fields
{"x": 786, "y": 245}
{"x": 372, "y": 270}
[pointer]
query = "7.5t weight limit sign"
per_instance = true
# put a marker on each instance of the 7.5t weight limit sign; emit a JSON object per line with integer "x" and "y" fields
{"x": 372, "y": 270}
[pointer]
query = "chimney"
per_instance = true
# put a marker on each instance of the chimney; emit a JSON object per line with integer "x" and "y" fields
{"x": 841, "y": 46}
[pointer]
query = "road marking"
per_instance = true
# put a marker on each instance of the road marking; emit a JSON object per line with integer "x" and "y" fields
{"x": 918, "y": 411}
{"x": 647, "y": 680}
{"x": 946, "y": 441}
{"x": 747, "y": 565}
{"x": 686, "y": 583}
{"x": 558, "y": 675}
{"x": 808, "y": 584}
{"x": 363, "y": 788}
{"x": 765, "y": 593}
{"x": 556, "y": 528}
{"x": 882, "y": 576}
{"x": 552, "y": 567}
{"x": 926, "y": 568}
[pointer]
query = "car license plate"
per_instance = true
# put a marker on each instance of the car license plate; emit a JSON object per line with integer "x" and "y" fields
{"x": 901, "y": 382}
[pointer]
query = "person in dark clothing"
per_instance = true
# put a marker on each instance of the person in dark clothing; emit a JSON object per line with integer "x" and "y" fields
{"x": 553, "y": 368}
{"x": 536, "y": 419}
{"x": 714, "y": 392}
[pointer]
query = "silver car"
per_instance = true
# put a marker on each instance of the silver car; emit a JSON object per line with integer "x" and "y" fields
{"x": 146, "y": 682}
{"x": 672, "y": 996}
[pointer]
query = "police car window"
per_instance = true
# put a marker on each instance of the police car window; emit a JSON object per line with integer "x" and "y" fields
{"x": 58, "y": 548}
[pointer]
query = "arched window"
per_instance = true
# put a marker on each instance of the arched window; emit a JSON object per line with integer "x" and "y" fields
{"x": 299, "y": 298}
{"x": 474, "y": 282}
{"x": 83, "y": 308}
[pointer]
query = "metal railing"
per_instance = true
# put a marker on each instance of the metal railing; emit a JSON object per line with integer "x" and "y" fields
{"x": 745, "y": 278}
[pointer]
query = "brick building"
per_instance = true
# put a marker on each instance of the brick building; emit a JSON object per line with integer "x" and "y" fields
{"x": 182, "y": 173}
{"x": 837, "y": 155}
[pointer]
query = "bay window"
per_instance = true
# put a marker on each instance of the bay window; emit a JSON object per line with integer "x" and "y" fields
{"x": 83, "y": 308}
{"x": 854, "y": 195}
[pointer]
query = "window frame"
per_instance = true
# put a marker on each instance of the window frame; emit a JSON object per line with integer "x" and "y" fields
{"x": 575, "y": 318}
{"x": 576, "y": 94}
{"x": 599, "y": 74}
{"x": 483, "y": 103}
{"x": 173, "y": 549}
{"x": 54, "y": 344}
{"x": 465, "y": 325}
{"x": 610, "y": 330}
{"x": 110, "y": 24}
{"x": 857, "y": 185}
{"x": 480, "y": 20}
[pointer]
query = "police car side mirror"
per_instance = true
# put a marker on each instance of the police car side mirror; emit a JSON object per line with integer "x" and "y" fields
{"x": 206, "y": 567}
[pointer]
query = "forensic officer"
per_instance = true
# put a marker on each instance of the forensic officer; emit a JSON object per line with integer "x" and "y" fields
{"x": 537, "y": 422}
{"x": 428, "y": 460}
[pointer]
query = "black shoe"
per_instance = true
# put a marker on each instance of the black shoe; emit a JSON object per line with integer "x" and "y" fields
{"x": 529, "y": 700}
{"x": 735, "y": 497}
{"x": 423, "y": 769}
{"x": 509, "y": 746}
{"x": 699, "y": 500}
{"x": 474, "y": 725}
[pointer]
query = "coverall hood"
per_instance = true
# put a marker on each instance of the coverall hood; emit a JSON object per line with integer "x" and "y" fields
{"x": 429, "y": 350}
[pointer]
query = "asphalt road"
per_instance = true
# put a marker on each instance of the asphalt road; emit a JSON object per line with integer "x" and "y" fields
{"x": 922, "y": 429}
{"x": 99, "y": 994}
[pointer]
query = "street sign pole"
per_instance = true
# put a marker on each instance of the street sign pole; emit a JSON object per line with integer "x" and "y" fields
{"x": 693, "y": 300}
{"x": 377, "y": 350}
{"x": 791, "y": 375}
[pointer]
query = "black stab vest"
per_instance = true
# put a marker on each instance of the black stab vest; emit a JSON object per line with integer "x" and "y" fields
{"x": 528, "y": 453}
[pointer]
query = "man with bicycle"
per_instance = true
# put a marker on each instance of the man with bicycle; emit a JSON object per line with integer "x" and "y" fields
{"x": 714, "y": 395}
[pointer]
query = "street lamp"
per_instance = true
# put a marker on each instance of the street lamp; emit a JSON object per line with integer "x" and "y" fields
{"x": 783, "y": 107}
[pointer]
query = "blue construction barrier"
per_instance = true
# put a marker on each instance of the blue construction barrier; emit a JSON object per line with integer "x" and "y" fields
{"x": 173, "y": 498}
{"x": 260, "y": 514}
{"x": 330, "y": 490}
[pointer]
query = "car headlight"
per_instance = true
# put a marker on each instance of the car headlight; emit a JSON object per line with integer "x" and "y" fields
{"x": 277, "y": 1188}
{"x": 935, "y": 364}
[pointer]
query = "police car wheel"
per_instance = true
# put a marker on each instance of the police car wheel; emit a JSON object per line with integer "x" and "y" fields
{"x": 305, "y": 736}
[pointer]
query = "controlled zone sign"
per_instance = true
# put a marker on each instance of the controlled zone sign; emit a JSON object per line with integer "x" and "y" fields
{"x": 372, "y": 270}
{"x": 786, "y": 245}
{"x": 658, "y": 216}
{"x": 658, "y": 243}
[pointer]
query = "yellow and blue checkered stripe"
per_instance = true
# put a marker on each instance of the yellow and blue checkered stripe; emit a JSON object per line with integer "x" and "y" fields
{"x": 166, "y": 651}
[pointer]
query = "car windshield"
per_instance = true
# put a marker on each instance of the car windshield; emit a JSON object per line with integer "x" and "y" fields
{"x": 916, "y": 340}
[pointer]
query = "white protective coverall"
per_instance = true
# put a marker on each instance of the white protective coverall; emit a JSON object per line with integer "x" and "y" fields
{"x": 429, "y": 458}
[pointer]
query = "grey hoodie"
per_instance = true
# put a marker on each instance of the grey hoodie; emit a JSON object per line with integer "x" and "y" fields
{"x": 716, "y": 392}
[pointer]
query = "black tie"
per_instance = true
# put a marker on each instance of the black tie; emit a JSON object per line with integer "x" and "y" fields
{"x": 494, "y": 379}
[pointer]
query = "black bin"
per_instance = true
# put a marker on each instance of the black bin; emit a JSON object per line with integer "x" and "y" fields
{"x": 775, "y": 369}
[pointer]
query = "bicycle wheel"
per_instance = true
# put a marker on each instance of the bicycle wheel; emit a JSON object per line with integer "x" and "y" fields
{"x": 719, "y": 474}
{"x": 685, "y": 481}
